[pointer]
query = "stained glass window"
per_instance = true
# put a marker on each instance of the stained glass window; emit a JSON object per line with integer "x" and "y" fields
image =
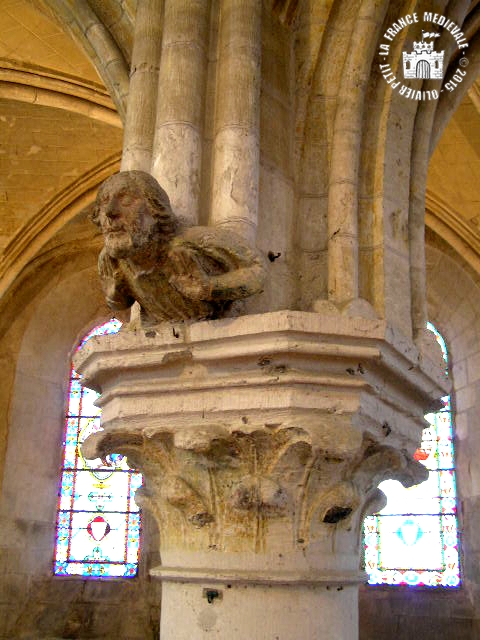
{"x": 414, "y": 539}
{"x": 98, "y": 521}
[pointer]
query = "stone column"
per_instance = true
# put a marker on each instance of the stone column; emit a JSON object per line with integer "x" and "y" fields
{"x": 140, "y": 120}
{"x": 177, "y": 147}
{"x": 237, "y": 118}
{"x": 343, "y": 267}
{"x": 262, "y": 440}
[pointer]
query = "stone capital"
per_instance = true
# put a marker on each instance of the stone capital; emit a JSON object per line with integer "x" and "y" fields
{"x": 262, "y": 436}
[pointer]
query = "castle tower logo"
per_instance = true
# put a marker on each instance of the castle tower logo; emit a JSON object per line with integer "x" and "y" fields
{"x": 422, "y": 62}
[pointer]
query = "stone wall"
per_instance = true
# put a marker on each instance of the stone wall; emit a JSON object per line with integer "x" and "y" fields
{"x": 33, "y": 603}
{"x": 405, "y": 613}
{"x": 454, "y": 308}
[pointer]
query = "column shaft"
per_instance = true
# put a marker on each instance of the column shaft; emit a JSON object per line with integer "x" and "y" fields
{"x": 343, "y": 267}
{"x": 237, "y": 118}
{"x": 177, "y": 149}
{"x": 259, "y": 612}
{"x": 140, "y": 120}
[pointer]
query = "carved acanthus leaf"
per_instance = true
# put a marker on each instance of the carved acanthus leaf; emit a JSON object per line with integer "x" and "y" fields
{"x": 229, "y": 479}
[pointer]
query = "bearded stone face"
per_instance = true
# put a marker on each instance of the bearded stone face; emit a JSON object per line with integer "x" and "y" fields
{"x": 125, "y": 218}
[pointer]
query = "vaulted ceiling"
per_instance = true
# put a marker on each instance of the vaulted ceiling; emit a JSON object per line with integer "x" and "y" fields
{"x": 60, "y": 134}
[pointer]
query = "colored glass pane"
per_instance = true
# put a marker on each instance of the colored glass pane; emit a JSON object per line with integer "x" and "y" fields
{"x": 98, "y": 521}
{"x": 414, "y": 539}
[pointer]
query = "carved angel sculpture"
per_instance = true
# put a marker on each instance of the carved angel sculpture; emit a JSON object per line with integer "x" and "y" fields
{"x": 174, "y": 273}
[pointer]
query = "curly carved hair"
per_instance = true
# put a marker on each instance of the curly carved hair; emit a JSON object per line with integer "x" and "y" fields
{"x": 156, "y": 198}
